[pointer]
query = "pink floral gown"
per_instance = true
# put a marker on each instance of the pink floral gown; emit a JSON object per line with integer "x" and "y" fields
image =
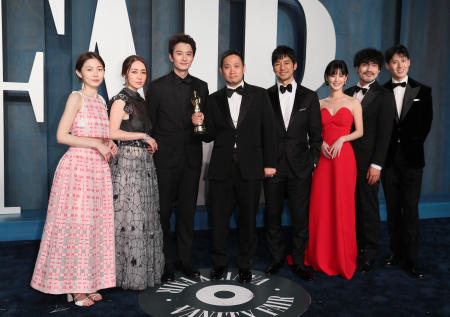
{"x": 76, "y": 254}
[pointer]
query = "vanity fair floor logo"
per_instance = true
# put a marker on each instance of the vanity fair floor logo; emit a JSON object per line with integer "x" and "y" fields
{"x": 263, "y": 297}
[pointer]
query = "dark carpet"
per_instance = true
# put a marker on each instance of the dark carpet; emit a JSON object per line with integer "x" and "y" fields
{"x": 383, "y": 292}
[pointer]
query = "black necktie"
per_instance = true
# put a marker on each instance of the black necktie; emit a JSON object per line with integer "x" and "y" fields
{"x": 403, "y": 84}
{"x": 283, "y": 88}
{"x": 231, "y": 91}
{"x": 364, "y": 90}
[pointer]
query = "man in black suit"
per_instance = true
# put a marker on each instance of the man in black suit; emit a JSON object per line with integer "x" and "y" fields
{"x": 179, "y": 157}
{"x": 240, "y": 122}
{"x": 402, "y": 176}
{"x": 370, "y": 151}
{"x": 298, "y": 132}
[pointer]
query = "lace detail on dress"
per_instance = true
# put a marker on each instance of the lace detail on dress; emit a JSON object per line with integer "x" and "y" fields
{"x": 126, "y": 108}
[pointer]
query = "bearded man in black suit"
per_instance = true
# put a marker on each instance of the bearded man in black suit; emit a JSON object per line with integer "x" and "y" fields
{"x": 370, "y": 152}
{"x": 402, "y": 176}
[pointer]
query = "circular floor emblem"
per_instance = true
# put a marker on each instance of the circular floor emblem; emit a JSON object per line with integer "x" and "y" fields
{"x": 210, "y": 295}
{"x": 262, "y": 297}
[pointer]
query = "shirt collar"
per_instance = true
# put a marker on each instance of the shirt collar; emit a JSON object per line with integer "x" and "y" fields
{"x": 240, "y": 84}
{"x": 367, "y": 86}
{"x": 293, "y": 83}
{"x": 405, "y": 80}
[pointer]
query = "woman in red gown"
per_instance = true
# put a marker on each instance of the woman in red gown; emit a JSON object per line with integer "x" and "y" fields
{"x": 332, "y": 238}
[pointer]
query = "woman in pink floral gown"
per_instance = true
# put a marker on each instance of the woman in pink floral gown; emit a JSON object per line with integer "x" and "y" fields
{"x": 76, "y": 255}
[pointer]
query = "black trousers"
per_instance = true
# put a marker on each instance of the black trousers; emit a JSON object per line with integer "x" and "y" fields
{"x": 402, "y": 186}
{"x": 224, "y": 196}
{"x": 181, "y": 185}
{"x": 367, "y": 216}
{"x": 297, "y": 191}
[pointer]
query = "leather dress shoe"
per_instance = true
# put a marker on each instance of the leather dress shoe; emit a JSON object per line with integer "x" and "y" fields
{"x": 188, "y": 270}
{"x": 366, "y": 267}
{"x": 393, "y": 261}
{"x": 244, "y": 276}
{"x": 273, "y": 268}
{"x": 414, "y": 273}
{"x": 302, "y": 272}
{"x": 218, "y": 272}
{"x": 168, "y": 276}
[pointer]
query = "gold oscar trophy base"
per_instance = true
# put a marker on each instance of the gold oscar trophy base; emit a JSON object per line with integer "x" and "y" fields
{"x": 199, "y": 129}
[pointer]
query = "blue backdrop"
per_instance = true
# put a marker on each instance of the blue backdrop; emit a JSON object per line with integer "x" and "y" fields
{"x": 31, "y": 151}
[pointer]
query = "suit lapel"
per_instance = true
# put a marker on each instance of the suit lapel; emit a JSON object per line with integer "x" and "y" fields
{"x": 273, "y": 92}
{"x": 410, "y": 93}
{"x": 370, "y": 94}
{"x": 245, "y": 104}
{"x": 224, "y": 107}
{"x": 297, "y": 104}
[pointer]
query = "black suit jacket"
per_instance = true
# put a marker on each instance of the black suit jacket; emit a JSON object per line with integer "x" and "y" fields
{"x": 254, "y": 134}
{"x": 172, "y": 125}
{"x": 299, "y": 145}
{"x": 414, "y": 124}
{"x": 378, "y": 115}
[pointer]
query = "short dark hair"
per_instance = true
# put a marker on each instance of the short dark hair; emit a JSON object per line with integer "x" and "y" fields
{"x": 231, "y": 52}
{"x": 396, "y": 49}
{"x": 333, "y": 67}
{"x": 84, "y": 57}
{"x": 368, "y": 55}
{"x": 283, "y": 51}
{"x": 181, "y": 38}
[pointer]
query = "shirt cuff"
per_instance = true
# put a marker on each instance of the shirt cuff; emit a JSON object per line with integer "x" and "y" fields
{"x": 375, "y": 166}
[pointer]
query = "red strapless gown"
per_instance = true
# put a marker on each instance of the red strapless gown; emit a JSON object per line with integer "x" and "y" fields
{"x": 332, "y": 238}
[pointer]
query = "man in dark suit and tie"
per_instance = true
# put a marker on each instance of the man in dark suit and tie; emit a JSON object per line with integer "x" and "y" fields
{"x": 402, "y": 175}
{"x": 178, "y": 159}
{"x": 370, "y": 151}
{"x": 298, "y": 132}
{"x": 240, "y": 122}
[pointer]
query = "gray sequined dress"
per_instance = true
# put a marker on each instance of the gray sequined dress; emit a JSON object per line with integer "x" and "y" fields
{"x": 138, "y": 233}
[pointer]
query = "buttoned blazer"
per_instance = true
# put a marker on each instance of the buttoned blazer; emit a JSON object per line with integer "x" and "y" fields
{"x": 172, "y": 125}
{"x": 253, "y": 135}
{"x": 413, "y": 125}
{"x": 300, "y": 142}
{"x": 378, "y": 115}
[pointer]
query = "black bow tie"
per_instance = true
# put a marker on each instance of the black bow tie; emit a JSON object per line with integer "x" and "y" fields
{"x": 283, "y": 88}
{"x": 403, "y": 84}
{"x": 364, "y": 90}
{"x": 238, "y": 90}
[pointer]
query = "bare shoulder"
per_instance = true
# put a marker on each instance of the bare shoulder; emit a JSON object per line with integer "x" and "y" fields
{"x": 353, "y": 102}
{"x": 74, "y": 100}
{"x": 324, "y": 102}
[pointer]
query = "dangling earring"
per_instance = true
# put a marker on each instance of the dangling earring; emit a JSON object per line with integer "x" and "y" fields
{"x": 124, "y": 81}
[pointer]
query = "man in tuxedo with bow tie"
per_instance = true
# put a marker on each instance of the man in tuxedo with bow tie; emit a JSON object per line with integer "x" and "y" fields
{"x": 178, "y": 159}
{"x": 370, "y": 152}
{"x": 402, "y": 176}
{"x": 240, "y": 122}
{"x": 298, "y": 132}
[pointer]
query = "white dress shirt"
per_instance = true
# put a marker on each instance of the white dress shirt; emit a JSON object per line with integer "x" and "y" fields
{"x": 399, "y": 94}
{"x": 287, "y": 102}
{"x": 360, "y": 96}
{"x": 234, "y": 102}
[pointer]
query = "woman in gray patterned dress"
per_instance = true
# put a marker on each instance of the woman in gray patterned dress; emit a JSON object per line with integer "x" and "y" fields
{"x": 138, "y": 234}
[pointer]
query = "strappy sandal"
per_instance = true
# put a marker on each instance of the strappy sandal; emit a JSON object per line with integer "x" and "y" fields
{"x": 95, "y": 297}
{"x": 85, "y": 302}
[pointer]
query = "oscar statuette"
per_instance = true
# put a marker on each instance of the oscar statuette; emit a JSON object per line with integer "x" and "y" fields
{"x": 196, "y": 101}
